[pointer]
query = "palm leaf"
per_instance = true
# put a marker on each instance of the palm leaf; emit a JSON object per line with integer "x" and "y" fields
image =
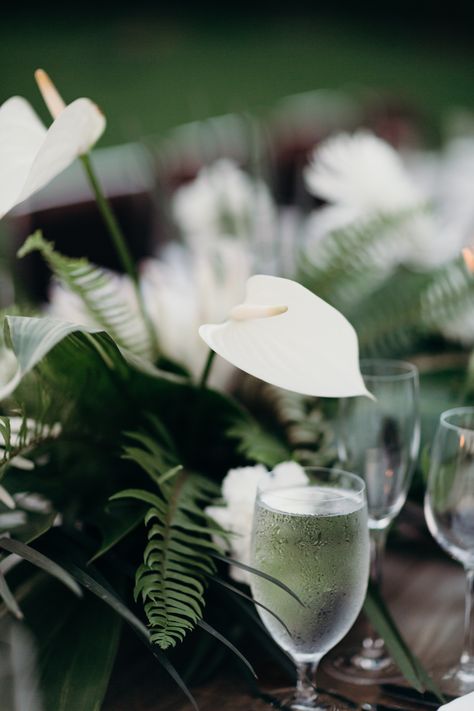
{"x": 101, "y": 295}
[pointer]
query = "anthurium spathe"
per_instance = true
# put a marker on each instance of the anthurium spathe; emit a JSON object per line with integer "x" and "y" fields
{"x": 287, "y": 336}
{"x": 32, "y": 155}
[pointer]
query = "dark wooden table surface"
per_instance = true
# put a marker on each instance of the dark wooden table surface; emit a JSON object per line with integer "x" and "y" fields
{"x": 425, "y": 593}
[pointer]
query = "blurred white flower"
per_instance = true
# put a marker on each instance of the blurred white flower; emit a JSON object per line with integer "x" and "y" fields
{"x": 239, "y": 491}
{"x": 185, "y": 289}
{"x": 31, "y": 155}
{"x": 361, "y": 173}
{"x": 223, "y": 200}
{"x": 362, "y": 176}
{"x": 289, "y": 337}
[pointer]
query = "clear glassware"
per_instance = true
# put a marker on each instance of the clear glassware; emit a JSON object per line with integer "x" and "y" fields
{"x": 314, "y": 538}
{"x": 379, "y": 440}
{"x": 449, "y": 512}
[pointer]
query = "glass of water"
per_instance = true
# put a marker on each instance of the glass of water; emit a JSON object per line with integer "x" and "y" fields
{"x": 379, "y": 441}
{"x": 449, "y": 511}
{"x": 314, "y": 538}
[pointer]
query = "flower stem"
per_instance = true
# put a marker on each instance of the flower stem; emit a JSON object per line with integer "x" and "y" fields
{"x": 120, "y": 245}
{"x": 207, "y": 369}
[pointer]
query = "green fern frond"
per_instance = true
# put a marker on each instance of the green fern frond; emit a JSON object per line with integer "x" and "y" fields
{"x": 350, "y": 259}
{"x": 100, "y": 295}
{"x": 176, "y": 563}
{"x": 19, "y": 436}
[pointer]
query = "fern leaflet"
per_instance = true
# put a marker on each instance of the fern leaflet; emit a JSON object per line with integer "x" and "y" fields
{"x": 101, "y": 296}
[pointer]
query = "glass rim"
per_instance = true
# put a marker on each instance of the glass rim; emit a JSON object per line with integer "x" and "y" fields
{"x": 464, "y": 410}
{"x": 402, "y": 369}
{"x": 355, "y": 478}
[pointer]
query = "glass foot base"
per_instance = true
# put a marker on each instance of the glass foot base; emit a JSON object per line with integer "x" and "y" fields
{"x": 360, "y": 667}
{"x": 285, "y": 700}
{"x": 457, "y": 681}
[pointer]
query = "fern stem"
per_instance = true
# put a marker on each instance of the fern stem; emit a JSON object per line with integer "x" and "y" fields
{"x": 207, "y": 368}
{"x": 119, "y": 243}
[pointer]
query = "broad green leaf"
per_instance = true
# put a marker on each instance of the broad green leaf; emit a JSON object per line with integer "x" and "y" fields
{"x": 115, "y": 524}
{"x": 76, "y": 672}
{"x": 409, "y": 664}
{"x": 31, "y": 339}
{"x": 99, "y": 587}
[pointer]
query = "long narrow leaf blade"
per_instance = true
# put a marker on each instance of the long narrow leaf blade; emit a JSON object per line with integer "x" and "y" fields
{"x": 260, "y": 573}
{"x": 9, "y": 599}
{"x": 212, "y": 631}
{"x": 409, "y": 664}
{"x": 236, "y": 591}
{"x": 41, "y": 561}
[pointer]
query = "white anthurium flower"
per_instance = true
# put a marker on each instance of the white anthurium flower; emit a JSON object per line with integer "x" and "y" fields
{"x": 32, "y": 155}
{"x": 239, "y": 491}
{"x": 223, "y": 200}
{"x": 289, "y": 337}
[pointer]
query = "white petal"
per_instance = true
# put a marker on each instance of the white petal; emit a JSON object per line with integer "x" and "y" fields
{"x": 311, "y": 349}
{"x": 73, "y": 133}
{"x": 21, "y": 137}
{"x": 362, "y": 171}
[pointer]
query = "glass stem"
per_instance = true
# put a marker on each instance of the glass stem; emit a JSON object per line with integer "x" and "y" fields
{"x": 378, "y": 539}
{"x": 306, "y": 684}
{"x": 467, "y": 658}
{"x": 373, "y": 647}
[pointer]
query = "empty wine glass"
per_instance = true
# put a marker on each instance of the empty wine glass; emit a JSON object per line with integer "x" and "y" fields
{"x": 379, "y": 441}
{"x": 314, "y": 538}
{"x": 449, "y": 511}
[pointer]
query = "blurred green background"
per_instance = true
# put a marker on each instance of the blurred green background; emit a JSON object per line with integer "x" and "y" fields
{"x": 151, "y": 69}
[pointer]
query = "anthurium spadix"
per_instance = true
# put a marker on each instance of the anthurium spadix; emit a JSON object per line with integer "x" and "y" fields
{"x": 32, "y": 155}
{"x": 288, "y": 337}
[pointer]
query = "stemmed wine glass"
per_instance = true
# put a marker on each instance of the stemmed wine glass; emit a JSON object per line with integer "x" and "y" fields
{"x": 314, "y": 538}
{"x": 449, "y": 511}
{"x": 379, "y": 440}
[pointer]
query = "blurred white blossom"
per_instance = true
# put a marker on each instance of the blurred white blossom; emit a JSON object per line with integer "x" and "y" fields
{"x": 184, "y": 290}
{"x": 361, "y": 176}
{"x": 239, "y": 491}
{"x": 223, "y": 200}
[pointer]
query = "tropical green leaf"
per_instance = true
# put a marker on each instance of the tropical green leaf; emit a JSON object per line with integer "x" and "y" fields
{"x": 115, "y": 524}
{"x": 101, "y": 295}
{"x": 98, "y": 586}
{"x": 409, "y": 664}
{"x": 78, "y": 661}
